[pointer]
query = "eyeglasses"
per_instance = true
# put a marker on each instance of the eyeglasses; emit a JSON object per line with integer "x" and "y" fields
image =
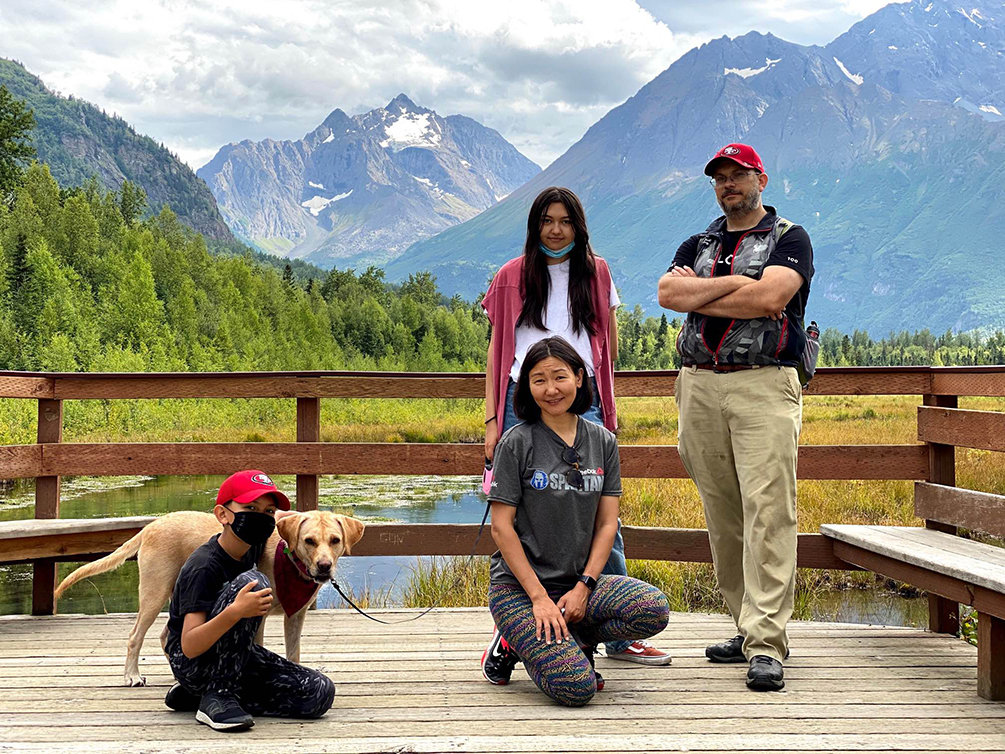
{"x": 722, "y": 180}
{"x": 573, "y": 476}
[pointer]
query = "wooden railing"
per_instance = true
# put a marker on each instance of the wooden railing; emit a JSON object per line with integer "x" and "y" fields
{"x": 49, "y": 458}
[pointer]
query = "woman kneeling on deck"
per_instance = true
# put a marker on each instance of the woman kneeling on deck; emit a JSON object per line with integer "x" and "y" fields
{"x": 554, "y": 495}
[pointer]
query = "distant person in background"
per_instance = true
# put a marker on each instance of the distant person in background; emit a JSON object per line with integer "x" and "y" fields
{"x": 554, "y": 499}
{"x": 744, "y": 284}
{"x": 557, "y": 287}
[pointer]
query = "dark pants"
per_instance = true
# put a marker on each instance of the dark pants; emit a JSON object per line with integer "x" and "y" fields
{"x": 263, "y": 682}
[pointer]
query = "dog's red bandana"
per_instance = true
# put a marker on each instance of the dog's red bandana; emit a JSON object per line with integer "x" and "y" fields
{"x": 294, "y": 586}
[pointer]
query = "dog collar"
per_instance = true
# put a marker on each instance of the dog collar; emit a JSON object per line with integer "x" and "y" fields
{"x": 301, "y": 568}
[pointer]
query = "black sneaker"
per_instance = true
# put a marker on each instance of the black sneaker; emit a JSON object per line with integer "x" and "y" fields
{"x": 498, "y": 660}
{"x": 222, "y": 712}
{"x": 765, "y": 674}
{"x": 727, "y": 651}
{"x": 180, "y": 699}
{"x": 590, "y": 651}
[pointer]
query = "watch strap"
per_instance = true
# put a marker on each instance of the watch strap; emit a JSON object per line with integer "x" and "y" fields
{"x": 591, "y": 583}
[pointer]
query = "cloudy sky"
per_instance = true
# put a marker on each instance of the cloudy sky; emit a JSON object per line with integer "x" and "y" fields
{"x": 197, "y": 75}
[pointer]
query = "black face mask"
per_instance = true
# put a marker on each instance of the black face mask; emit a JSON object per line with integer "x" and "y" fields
{"x": 253, "y": 528}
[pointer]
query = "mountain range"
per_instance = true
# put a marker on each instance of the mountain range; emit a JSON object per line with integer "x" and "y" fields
{"x": 77, "y": 141}
{"x": 360, "y": 189}
{"x": 887, "y": 145}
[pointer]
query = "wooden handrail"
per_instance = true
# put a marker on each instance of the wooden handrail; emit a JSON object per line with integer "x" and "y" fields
{"x": 908, "y": 462}
{"x": 983, "y": 381}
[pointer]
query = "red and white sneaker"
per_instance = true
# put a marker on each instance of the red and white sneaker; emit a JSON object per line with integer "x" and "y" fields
{"x": 498, "y": 660}
{"x": 642, "y": 652}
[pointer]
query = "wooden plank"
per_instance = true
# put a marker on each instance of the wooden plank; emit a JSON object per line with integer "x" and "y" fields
{"x": 976, "y": 596}
{"x": 962, "y": 559}
{"x": 308, "y": 430}
{"x": 20, "y": 461}
{"x": 64, "y": 539}
{"x": 989, "y": 382}
{"x": 462, "y": 459}
{"x": 943, "y": 614}
{"x": 15, "y": 386}
{"x": 870, "y": 381}
{"x": 275, "y": 385}
{"x": 981, "y": 511}
{"x": 50, "y": 431}
{"x": 990, "y": 657}
{"x": 984, "y": 430}
{"x": 347, "y": 384}
{"x": 21, "y": 541}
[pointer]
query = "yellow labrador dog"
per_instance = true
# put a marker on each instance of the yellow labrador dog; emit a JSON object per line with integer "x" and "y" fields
{"x": 316, "y": 538}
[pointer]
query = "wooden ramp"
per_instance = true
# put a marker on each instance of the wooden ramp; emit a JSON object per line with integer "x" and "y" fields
{"x": 416, "y": 687}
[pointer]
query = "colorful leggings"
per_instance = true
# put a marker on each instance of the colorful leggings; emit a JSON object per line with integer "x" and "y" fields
{"x": 619, "y": 608}
{"x": 263, "y": 682}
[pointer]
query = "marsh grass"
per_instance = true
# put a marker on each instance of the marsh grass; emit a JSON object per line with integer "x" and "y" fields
{"x": 827, "y": 420}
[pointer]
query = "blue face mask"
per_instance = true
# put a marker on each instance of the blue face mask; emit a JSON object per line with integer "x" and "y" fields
{"x": 556, "y": 254}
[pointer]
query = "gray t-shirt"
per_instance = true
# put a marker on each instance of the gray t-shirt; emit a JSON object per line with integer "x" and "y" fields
{"x": 554, "y": 521}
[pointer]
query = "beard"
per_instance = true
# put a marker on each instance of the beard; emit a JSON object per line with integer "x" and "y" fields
{"x": 749, "y": 202}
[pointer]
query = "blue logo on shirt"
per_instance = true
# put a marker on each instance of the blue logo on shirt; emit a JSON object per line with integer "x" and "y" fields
{"x": 539, "y": 481}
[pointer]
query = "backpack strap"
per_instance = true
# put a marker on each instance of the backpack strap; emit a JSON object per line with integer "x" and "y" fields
{"x": 782, "y": 226}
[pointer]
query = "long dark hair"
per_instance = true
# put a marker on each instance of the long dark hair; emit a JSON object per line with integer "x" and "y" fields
{"x": 582, "y": 265}
{"x": 524, "y": 405}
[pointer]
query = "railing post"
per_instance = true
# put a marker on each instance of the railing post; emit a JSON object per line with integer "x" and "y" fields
{"x": 943, "y": 614}
{"x": 308, "y": 430}
{"x": 50, "y": 429}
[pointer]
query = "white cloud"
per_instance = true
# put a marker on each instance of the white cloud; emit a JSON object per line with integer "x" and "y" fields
{"x": 198, "y": 76}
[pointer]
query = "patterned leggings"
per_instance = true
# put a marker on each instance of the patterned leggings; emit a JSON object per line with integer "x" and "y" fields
{"x": 619, "y": 608}
{"x": 263, "y": 682}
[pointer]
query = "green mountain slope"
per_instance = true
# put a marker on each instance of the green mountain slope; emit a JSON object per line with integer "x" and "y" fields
{"x": 77, "y": 141}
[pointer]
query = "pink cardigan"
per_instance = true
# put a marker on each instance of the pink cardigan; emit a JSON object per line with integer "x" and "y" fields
{"x": 502, "y": 305}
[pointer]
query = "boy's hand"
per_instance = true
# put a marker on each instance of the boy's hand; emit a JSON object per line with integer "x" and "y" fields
{"x": 249, "y": 604}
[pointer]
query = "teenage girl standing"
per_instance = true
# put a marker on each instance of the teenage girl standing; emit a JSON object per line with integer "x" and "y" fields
{"x": 558, "y": 287}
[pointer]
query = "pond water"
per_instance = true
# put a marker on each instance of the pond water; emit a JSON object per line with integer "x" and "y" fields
{"x": 408, "y": 499}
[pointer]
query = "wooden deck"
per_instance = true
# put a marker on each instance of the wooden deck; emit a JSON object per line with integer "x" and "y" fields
{"x": 416, "y": 687}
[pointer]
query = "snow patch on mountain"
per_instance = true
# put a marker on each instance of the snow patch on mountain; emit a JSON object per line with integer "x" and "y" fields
{"x": 410, "y": 130}
{"x": 748, "y": 72}
{"x": 856, "y": 78}
{"x": 990, "y": 109}
{"x": 316, "y": 204}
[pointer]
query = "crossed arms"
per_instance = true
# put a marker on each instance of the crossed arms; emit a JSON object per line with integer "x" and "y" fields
{"x": 735, "y": 296}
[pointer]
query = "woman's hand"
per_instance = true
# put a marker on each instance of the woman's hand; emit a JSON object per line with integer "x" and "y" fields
{"x": 549, "y": 620}
{"x": 491, "y": 437}
{"x": 574, "y": 601}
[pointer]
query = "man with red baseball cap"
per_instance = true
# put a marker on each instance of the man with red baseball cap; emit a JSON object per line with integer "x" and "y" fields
{"x": 743, "y": 283}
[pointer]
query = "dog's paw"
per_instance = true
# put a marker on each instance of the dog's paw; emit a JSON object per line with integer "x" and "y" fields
{"x": 136, "y": 680}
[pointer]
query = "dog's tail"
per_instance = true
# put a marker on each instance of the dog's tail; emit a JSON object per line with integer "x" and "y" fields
{"x": 107, "y": 563}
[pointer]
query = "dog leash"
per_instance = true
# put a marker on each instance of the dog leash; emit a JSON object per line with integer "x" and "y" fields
{"x": 457, "y": 581}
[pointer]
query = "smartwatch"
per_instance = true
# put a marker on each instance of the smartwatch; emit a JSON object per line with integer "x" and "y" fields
{"x": 591, "y": 583}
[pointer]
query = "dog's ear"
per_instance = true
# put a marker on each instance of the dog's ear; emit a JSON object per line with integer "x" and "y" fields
{"x": 352, "y": 532}
{"x": 289, "y": 528}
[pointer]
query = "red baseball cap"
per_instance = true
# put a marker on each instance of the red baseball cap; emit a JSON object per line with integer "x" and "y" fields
{"x": 742, "y": 154}
{"x": 247, "y": 486}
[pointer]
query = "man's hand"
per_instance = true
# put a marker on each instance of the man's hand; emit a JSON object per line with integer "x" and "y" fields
{"x": 683, "y": 291}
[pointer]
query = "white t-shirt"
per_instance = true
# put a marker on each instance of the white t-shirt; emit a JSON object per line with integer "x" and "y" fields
{"x": 557, "y": 321}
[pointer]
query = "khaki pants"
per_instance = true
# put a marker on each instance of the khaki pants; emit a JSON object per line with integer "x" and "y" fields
{"x": 739, "y": 433}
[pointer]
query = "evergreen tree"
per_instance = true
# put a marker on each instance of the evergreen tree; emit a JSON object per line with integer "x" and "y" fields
{"x": 16, "y": 124}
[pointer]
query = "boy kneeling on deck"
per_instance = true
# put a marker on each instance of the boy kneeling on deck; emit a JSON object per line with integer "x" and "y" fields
{"x": 216, "y": 608}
